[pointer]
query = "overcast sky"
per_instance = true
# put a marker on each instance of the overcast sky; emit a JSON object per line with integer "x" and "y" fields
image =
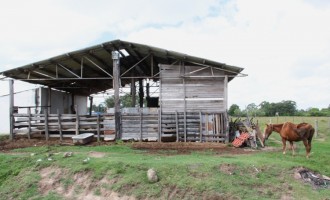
{"x": 283, "y": 46}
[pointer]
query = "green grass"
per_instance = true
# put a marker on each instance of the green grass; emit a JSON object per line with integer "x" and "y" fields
{"x": 262, "y": 175}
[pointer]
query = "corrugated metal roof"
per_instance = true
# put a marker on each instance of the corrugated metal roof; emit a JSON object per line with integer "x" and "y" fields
{"x": 89, "y": 70}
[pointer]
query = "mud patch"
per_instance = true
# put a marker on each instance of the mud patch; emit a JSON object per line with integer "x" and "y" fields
{"x": 316, "y": 180}
{"x": 77, "y": 186}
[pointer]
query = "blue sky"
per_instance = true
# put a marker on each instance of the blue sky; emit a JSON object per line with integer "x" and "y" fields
{"x": 284, "y": 46}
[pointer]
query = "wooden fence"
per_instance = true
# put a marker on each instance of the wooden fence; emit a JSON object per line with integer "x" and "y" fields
{"x": 194, "y": 126}
{"x": 136, "y": 124}
{"x": 62, "y": 125}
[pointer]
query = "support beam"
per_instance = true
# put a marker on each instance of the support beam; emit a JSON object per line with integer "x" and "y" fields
{"x": 148, "y": 89}
{"x": 133, "y": 92}
{"x": 225, "y": 92}
{"x": 49, "y": 99}
{"x": 98, "y": 66}
{"x": 141, "y": 94}
{"x": 11, "y": 108}
{"x": 59, "y": 125}
{"x": 71, "y": 72}
{"x": 136, "y": 64}
{"x": 116, "y": 84}
{"x": 90, "y": 105}
{"x": 46, "y": 124}
{"x": 87, "y": 68}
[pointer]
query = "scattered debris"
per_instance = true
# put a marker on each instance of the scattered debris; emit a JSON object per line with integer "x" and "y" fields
{"x": 313, "y": 178}
{"x": 86, "y": 160}
{"x": 241, "y": 139}
{"x": 49, "y": 159}
{"x": 39, "y": 160}
{"x": 67, "y": 154}
{"x": 152, "y": 176}
{"x": 32, "y": 154}
{"x": 255, "y": 168}
{"x": 245, "y": 132}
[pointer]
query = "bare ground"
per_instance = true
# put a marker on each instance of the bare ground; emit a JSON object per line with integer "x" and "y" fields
{"x": 79, "y": 186}
{"x": 151, "y": 147}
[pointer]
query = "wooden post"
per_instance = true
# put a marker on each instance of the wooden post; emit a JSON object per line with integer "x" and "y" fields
{"x": 226, "y": 126}
{"x": 77, "y": 119}
{"x": 200, "y": 126}
{"x": 225, "y": 92}
{"x": 218, "y": 125}
{"x": 116, "y": 84}
{"x": 133, "y": 92}
{"x": 316, "y": 127}
{"x": 148, "y": 89}
{"x": 46, "y": 124}
{"x": 184, "y": 111}
{"x": 206, "y": 127}
{"x": 159, "y": 124}
{"x": 29, "y": 118}
{"x": 90, "y": 105}
{"x": 98, "y": 127}
{"x": 59, "y": 125}
{"x": 140, "y": 110}
{"x": 177, "y": 126}
{"x": 141, "y": 94}
{"x": 11, "y": 108}
{"x": 49, "y": 99}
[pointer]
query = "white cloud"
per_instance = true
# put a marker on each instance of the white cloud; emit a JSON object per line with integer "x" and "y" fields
{"x": 284, "y": 46}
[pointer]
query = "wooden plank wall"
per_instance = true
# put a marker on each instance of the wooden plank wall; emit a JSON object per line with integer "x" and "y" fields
{"x": 203, "y": 93}
{"x": 140, "y": 124}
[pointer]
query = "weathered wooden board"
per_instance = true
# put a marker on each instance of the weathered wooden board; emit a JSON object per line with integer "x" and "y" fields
{"x": 83, "y": 138}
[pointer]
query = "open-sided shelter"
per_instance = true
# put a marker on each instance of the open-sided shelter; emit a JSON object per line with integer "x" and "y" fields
{"x": 191, "y": 106}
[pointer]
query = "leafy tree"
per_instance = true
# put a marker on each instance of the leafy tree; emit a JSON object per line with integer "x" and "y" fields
{"x": 125, "y": 101}
{"x": 110, "y": 102}
{"x": 233, "y": 109}
{"x": 287, "y": 108}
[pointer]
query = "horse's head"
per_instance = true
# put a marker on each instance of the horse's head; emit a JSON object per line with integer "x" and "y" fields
{"x": 268, "y": 130}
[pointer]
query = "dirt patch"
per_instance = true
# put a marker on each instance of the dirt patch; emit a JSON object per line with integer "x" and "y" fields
{"x": 77, "y": 186}
{"x": 164, "y": 148}
{"x": 316, "y": 180}
{"x": 95, "y": 154}
{"x": 22, "y": 142}
{"x": 227, "y": 168}
{"x": 173, "y": 148}
{"x": 39, "y": 140}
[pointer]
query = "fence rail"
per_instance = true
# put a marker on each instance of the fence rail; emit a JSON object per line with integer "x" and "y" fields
{"x": 136, "y": 124}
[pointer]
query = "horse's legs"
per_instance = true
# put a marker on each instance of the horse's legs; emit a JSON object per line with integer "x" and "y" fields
{"x": 307, "y": 147}
{"x": 284, "y": 145}
{"x": 308, "y": 150}
{"x": 292, "y": 148}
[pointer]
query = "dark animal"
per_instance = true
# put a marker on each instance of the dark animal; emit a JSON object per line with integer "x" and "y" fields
{"x": 292, "y": 133}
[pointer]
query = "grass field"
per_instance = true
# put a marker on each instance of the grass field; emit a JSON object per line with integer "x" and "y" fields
{"x": 43, "y": 172}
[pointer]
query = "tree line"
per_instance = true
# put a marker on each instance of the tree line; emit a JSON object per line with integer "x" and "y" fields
{"x": 283, "y": 108}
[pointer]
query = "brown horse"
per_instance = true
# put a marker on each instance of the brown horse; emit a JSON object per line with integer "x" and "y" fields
{"x": 292, "y": 133}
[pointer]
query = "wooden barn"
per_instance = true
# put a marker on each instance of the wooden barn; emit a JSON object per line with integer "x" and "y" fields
{"x": 191, "y": 101}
